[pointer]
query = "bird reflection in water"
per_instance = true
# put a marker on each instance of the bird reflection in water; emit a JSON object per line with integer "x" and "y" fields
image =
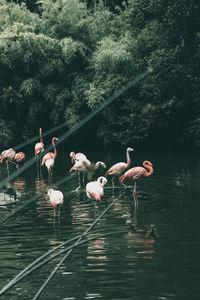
{"x": 96, "y": 254}
{"x": 19, "y": 184}
{"x": 143, "y": 239}
{"x": 41, "y": 189}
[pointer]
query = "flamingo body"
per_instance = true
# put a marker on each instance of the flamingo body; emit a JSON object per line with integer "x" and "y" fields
{"x": 8, "y": 154}
{"x": 49, "y": 158}
{"x": 81, "y": 166}
{"x": 95, "y": 189}
{"x": 19, "y": 157}
{"x": 120, "y": 167}
{"x": 117, "y": 169}
{"x": 39, "y": 147}
{"x": 56, "y": 198}
{"x": 138, "y": 172}
{"x": 77, "y": 157}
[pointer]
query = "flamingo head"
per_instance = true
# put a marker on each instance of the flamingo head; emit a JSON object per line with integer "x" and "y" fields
{"x": 72, "y": 155}
{"x": 49, "y": 192}
{"x": 55, "y": 139}
{"x": 73, "y": 168}
{"x": 129, "y": 149}
{"x": 102, "y": 180}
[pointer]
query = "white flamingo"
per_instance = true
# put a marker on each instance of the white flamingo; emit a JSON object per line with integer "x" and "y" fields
{"x": 56, "y": 198}
{"x": 95, "y": 189}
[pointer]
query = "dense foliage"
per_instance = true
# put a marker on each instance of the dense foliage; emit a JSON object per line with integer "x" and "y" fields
{"x": 59, "y": 59}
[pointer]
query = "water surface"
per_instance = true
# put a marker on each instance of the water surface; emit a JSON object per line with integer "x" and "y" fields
{"x": 134, "y": 264}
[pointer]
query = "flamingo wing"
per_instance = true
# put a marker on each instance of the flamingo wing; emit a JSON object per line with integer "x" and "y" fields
{"x": 19, "y": 157}
{"x": 116, "y": 169}
{"x": 94, "y": 190}
{"x": 39, "y": 147}
{"x": 133, "y": 174}
{"x": 49, "y": 155}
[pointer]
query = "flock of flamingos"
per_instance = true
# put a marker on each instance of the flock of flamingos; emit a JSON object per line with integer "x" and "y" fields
{"x": 94, "y": 189}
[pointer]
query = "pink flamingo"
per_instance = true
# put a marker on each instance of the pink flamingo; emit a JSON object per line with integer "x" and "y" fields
{"x": 19, "y": 157}
{"x": 49, "y": 158}
{"x": 56, "y": 199}
{"x": 77, "y": 156}
{"x": 8, "y": 155}
{"x": 85, "y": 166}
{"x": 95, "y": 189}
{"x": 136, "y": 173}
{"x": 118, "y": 168}
{"x": 39, "y": 147}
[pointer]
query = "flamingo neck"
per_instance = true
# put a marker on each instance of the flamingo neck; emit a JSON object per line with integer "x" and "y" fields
{"x": 41, "y": 139}
{"x": 99, "y": 163}
{"x": 148, "y": 165}
{"x": 54, "y": 147}
{"x": 128, "y": 160}
{"x": 102, "y": 180}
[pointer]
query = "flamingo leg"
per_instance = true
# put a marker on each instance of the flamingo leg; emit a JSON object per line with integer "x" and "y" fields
{"x": 81, "y": 182}
{"x": 135, "y": 195}
{"x": 7, "y": 165}
{"x": 83, "y": 179}
{"x": 40, "y": 169}
{"x": 58, "y": 210}
{"x": 112, "y": 180}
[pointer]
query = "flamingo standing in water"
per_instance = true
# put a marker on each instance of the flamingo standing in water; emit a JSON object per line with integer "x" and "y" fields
{"x": 8, "y": 155}
{"x": 136, "y": 173}
{"x": 39, "y": 148}
{"x": 85, "y": 166}
{"x": 75, "y": 157}
{"x": 118, "y": 168}
{"x": 49, "y": 158}
{"x": 11, "y": 156}
{"x": 95, "y": 189}
{"x": 56, "y": 199}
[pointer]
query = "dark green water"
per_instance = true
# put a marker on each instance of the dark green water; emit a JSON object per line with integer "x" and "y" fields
{"x": 129, "y": 265}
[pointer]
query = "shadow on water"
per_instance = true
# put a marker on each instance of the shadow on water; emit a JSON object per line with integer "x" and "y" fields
{"x": 156, "y": 258}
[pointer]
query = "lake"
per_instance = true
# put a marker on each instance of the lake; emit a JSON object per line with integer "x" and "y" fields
{"x": 148, "y": 253}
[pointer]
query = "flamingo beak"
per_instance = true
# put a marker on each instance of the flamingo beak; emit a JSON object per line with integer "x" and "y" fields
{"x": 71, "y": 169}
{"x": 122, "y": 178}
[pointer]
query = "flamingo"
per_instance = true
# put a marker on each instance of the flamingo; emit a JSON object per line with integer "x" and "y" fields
{"x": 77, "y": 156}
{"x": 11, "y": 156}
{"x": 49, "y": 158}
{"x": 136, "y": 173}
{"x": 19, "y": 157}
{"x": 39, "y": 147}
{"x": 85, "y": 165}
{"x": 118, "y": 168}
{"x": 8, "y": 155}
{"x": 56, "y": 198}
{"x": 95, "y": 189}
